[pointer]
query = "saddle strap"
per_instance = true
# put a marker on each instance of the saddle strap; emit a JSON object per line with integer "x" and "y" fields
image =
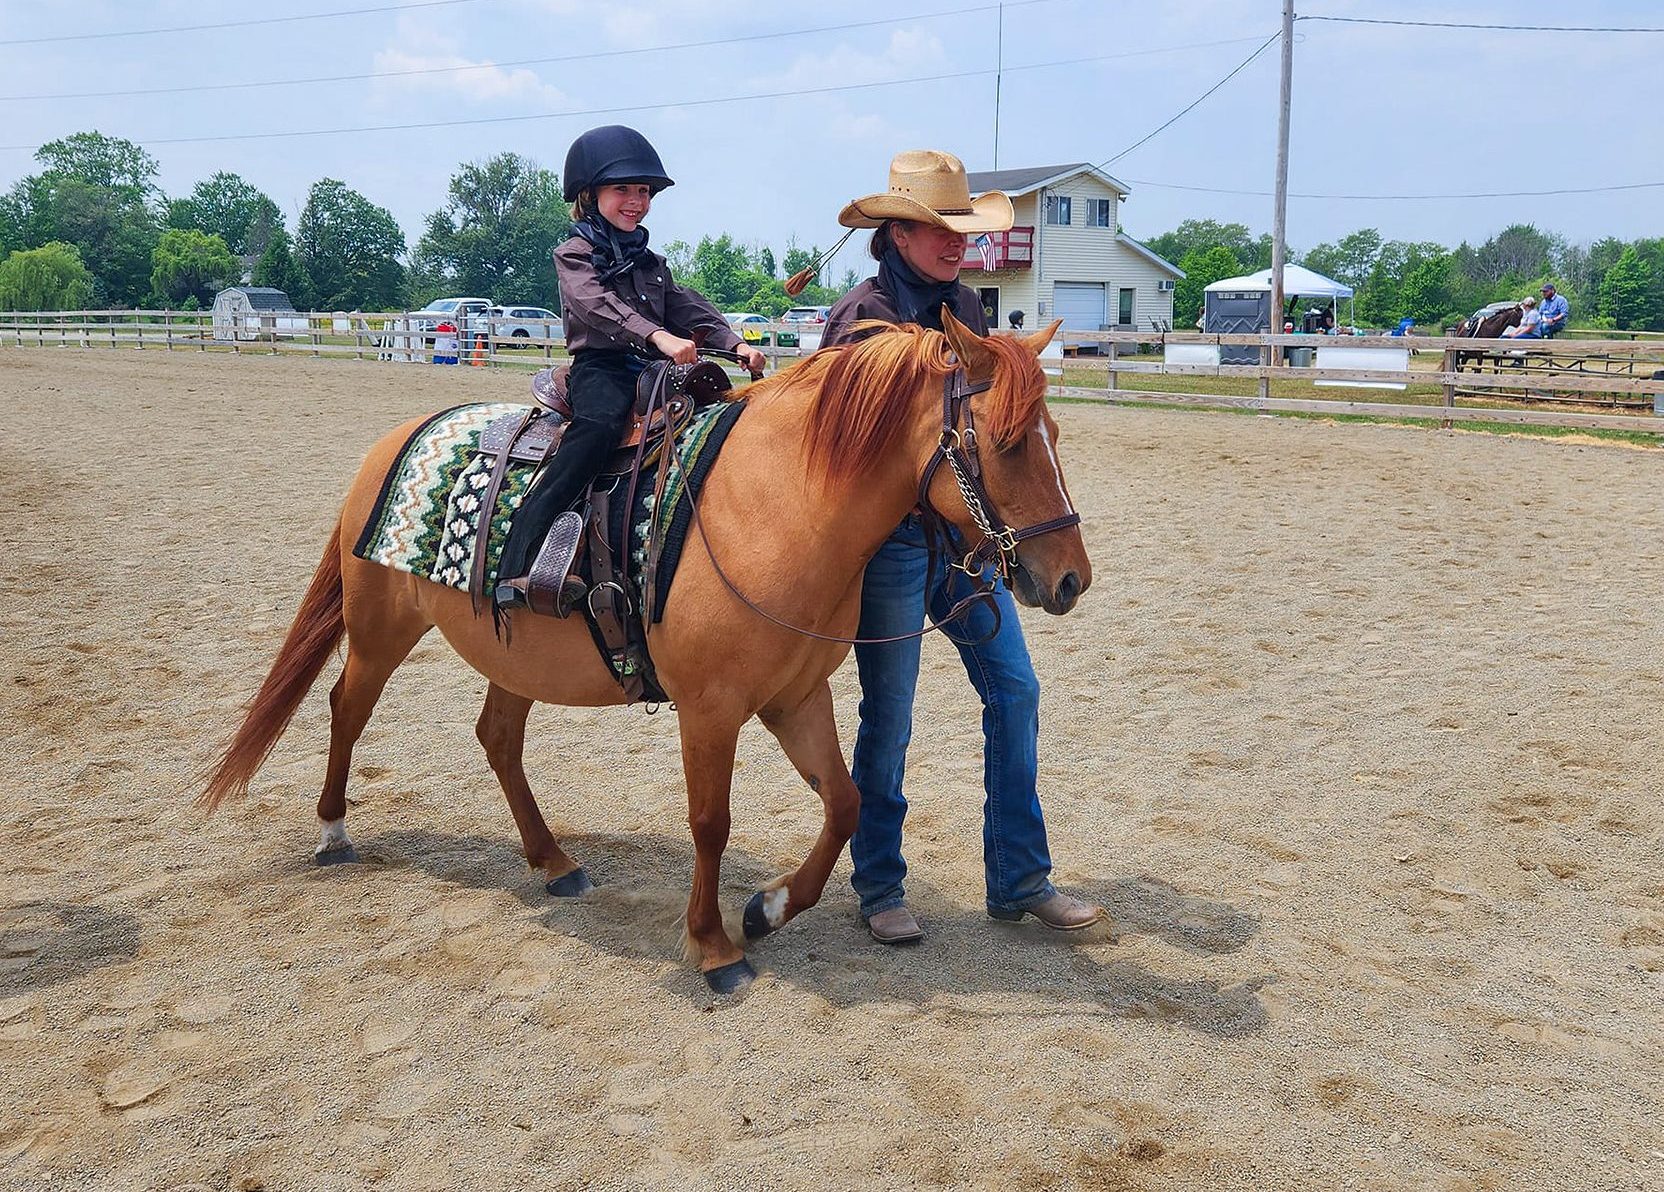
{"x": 609, "y": 602}
{"x": 488, "y": 509}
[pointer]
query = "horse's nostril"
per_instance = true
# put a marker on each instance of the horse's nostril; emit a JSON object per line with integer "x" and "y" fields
{"x": 1068, "y": 589}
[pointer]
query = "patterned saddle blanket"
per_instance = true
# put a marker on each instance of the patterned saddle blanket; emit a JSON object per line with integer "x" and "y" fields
{"x": 428, "y": 517}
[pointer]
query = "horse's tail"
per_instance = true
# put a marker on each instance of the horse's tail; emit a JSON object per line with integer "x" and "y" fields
{"x": 317, "y": 629}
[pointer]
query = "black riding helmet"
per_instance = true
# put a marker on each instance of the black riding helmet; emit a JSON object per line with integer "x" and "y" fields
{"x": 612, "y": 153}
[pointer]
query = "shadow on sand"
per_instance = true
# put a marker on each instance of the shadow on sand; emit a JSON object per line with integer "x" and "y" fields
{"x": 48, "y": 943}
{"x": 642, "y": 881}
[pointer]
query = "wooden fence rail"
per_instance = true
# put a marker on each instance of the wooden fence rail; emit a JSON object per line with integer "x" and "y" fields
{"x": 1609, "y": 372}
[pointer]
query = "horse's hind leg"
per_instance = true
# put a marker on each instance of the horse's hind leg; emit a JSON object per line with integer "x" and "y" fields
{"x": 374, "y": 651}
{"x": 809, "y": 735}
{"x": 502, "y": 730}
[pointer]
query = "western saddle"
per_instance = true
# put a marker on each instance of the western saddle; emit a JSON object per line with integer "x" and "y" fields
{"x": 666, "y": 397}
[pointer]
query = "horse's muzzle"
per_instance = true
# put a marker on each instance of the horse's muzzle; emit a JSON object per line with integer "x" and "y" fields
{"x": 1057, "y": 599}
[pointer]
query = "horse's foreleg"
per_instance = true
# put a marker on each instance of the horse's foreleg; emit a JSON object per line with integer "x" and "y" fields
{"x": 809, "y": 735}
{"x": 708, "y": 765}
{"x": 502, "y": 731}
{"x": 374, "y": 651}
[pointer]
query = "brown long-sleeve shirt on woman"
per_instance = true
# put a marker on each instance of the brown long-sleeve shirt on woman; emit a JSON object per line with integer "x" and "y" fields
{"x": 620, "y": 316}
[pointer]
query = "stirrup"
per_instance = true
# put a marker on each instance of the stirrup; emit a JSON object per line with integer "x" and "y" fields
{"x": 549, "y": 587}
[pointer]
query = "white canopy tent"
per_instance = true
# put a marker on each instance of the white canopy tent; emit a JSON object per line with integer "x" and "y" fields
{"x": 1298, "y": 282}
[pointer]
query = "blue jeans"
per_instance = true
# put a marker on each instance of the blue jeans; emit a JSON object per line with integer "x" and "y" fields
{"x": 893, "y": 596}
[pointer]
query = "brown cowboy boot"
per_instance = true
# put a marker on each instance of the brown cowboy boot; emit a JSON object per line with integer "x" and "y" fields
{"x": 1060, "y": 912}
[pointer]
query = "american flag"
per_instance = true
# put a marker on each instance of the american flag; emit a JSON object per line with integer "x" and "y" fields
{"x": 985, "y": 246}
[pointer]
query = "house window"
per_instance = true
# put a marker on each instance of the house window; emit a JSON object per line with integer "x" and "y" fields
{"x": 1100, "y": 213}
{"x": 1059, "y": 209}
{"x": 1123, "y": 315}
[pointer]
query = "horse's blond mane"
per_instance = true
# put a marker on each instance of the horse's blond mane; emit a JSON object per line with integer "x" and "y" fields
{"x": 865, "y": 389}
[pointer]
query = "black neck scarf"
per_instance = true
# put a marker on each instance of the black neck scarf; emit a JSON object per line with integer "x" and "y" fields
{"x": 918, "y": 300}
{"x": 615, "y": 253}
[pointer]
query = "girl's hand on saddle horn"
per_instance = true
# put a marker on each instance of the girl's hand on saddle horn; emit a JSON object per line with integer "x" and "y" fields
{"x": 751, "y": 360}
{"x": 679, "y": 350}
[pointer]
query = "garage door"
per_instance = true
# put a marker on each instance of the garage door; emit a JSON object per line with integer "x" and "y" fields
{"x": 1080, "y": 305}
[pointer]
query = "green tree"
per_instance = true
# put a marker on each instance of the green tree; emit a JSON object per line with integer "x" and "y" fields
{"x": 1202, "y": 267}
{"x": 225, "y": 205}
{"x": 1424, "y": 294}
{"x": 110, "y": 227}
{"x": 1626, "y": 293}
{"x": 51, "y": 277}
{"x": 494, "y": 235}
{"x": 107, "y": 162}
{"x": 278, "y": 268}
{"x": 1199, "y": 235}
{"x": 349, "y": 250}
{"x": 765, "y": 261}
{"x": 187, "y": 264}
{"x": 1351, "y": 259}
{"x": 1517, "y": 252}
{"x": 99, "y": 194}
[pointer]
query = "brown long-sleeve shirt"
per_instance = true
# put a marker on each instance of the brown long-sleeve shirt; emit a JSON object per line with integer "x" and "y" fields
{"x": 624, "y": 314}
{"x": 867, "y": 301}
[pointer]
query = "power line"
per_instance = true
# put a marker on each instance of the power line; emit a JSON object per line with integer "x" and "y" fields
{"x": 1263, "y": 46}
{"x": 1489, "y": 28}
{"x": 315, "y": 16}
{"x": 608, "y": 111}
{"x": 1485, "y": 194}
{"x": 598, "y": 54}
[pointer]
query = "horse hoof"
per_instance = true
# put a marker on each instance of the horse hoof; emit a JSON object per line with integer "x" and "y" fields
{"x": 731, "y": 978}
{"x": 756, "y": 919}
{"x": 570, "y": 885}
{"x": 336, "y": 856}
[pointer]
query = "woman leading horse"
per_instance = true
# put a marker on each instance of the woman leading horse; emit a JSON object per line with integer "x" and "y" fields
{"x": 827, "y": 459}
{"x": 920, "y": 225}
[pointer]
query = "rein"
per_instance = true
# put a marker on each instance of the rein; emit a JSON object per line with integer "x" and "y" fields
{"x": 958, "y": 448}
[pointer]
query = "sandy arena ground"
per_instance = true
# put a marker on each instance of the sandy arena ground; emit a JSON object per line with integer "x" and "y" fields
{"x": 1356, "y": 733}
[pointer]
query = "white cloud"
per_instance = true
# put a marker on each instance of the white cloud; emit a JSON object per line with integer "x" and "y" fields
{"x": 482, "y": 82}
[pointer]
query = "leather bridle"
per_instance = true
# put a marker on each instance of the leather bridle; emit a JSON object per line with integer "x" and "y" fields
{"x": 957, "y": 448}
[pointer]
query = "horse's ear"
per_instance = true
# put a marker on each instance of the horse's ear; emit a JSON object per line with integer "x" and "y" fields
{"x": 974, "y": 358}
{"x": 1037, "y": 342}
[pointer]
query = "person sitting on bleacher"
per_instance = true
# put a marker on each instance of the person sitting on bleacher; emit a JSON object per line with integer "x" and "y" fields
{"x": 1555, "y": 312}
{"x": 1531, "y": 320}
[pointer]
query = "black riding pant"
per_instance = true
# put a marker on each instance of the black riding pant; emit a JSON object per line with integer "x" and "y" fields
{"x": 602, "y": 389}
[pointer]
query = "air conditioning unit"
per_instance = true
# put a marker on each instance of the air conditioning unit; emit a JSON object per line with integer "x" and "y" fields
{"x": 1165, "y": 285}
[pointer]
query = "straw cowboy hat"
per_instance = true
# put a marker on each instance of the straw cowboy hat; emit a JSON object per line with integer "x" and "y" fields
{"x": 930, "y": 187}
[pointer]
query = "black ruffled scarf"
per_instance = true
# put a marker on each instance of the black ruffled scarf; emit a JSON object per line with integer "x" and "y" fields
{"x": 918, "y": 300}
{"x": 615, "y": 253}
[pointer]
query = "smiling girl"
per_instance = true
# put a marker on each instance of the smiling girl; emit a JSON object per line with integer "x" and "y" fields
{"x": 620, "y": 307}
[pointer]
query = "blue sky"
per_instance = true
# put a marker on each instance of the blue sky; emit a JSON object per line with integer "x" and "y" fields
{"x": 1378, "y": 110}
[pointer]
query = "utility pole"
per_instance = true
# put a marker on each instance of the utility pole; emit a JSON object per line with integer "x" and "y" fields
{"x": 1279, "y": 218}
{"x": 999, "y": 71}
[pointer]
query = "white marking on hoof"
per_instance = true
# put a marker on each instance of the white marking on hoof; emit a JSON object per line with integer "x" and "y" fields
{"x": 332, "y": 836}
{"x": 774, "y": 906}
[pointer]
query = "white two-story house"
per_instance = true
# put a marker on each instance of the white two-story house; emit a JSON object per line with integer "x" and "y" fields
{"x": 1066, "y": 256}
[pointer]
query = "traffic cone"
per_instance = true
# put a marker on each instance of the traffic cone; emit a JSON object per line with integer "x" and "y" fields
{"x": 477, "y": 356}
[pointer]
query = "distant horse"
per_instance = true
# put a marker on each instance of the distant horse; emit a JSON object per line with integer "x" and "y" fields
{"x": 1481, "y": 325}
{"x": 827, "y": 460}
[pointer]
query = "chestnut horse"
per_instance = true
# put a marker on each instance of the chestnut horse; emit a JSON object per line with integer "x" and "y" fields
{"x": 825, "y": 463}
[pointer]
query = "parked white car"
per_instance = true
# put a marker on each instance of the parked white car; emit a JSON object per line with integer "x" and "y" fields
{"x": 461, "y": 313}
{"x": 525, "y": 322}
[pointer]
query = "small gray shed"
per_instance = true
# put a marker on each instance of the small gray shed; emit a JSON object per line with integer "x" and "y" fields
{"x": 255, "y": 312}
